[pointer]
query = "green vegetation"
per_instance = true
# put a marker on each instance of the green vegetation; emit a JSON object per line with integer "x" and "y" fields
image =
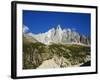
{"x": 35, "y": 53}
{"x": 74, "y": 53}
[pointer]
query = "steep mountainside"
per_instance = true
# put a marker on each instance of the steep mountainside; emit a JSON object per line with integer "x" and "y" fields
{"x": 55, "y": 48}
{"x": 61, "y": 36}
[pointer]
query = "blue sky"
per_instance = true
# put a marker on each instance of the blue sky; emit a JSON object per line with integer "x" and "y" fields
{"x": 42, "y": 21}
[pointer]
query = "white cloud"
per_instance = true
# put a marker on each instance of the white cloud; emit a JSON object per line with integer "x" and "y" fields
{"x": 25, "y": 29}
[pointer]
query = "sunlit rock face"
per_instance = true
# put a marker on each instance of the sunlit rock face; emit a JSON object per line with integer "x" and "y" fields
{"x": 59, "y": 35}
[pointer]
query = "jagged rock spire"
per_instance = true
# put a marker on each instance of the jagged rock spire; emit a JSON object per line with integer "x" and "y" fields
{"x": 58, "y": 27}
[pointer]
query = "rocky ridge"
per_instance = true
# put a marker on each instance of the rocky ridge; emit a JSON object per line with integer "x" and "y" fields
{"x": 60, "y": 35}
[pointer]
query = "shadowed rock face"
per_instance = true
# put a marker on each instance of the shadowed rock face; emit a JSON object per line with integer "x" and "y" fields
{"x": 86, "y": 64}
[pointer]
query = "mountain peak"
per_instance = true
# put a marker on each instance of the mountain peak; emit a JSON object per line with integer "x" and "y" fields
{"x": 58, "y": 27}
{"x": 59, "y": 35}
{"x": 69, "y": 29}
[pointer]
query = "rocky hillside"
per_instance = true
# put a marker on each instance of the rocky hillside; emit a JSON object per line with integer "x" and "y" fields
{"x": 56, "y": 48}
{"x": 35, "y": 54}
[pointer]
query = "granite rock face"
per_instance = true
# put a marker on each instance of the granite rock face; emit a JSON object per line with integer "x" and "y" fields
{"x": 60, "y": 35}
